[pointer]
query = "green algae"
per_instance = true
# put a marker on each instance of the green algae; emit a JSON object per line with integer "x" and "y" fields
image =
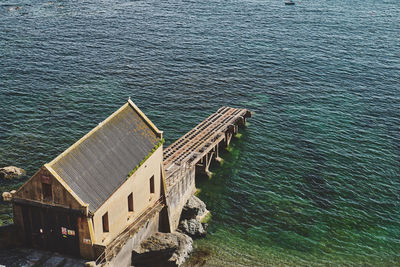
{"x": 148, "y": 156}
{"x": 206, "y": 218}
{"x": 238, "y": 135}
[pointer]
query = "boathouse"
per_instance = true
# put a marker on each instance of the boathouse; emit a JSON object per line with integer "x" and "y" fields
{"x": 98, "y": 191}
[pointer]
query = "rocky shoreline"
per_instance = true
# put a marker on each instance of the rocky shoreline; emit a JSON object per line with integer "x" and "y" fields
{"x": 173, "y": 249}
{"x": 10, "y": 177}
{"x": 192, "y": 221}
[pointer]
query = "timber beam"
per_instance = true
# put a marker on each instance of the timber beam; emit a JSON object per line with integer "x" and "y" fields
{"x": 200, "y": 146}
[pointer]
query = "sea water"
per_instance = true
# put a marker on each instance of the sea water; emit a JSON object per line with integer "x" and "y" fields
{"x": 314, "y": 177}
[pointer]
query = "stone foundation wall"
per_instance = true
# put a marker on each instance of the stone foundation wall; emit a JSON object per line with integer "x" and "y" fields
{"x": 178, "y": 195}
{"x": 124, "y": 256}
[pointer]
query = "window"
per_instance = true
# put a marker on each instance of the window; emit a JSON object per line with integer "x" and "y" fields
{"x": 130, "y": 202}
{"x": 46, "y": 188}
{"x": 152, "y": 185}
{"x": 105, "y": 223}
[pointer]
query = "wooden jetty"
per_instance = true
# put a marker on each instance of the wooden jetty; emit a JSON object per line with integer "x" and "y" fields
{"x": 200, "y": 145}
{"x": 194, "y": 152}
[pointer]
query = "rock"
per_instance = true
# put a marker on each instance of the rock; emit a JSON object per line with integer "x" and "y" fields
{"x": 194, "y": 208}
{"x": 14, "y": 8}
{"x": 163, "y": 249}
{"x": 198, "y": 258}
{"x": 192, "y": 228}
{"x": 11, "y": 172}
{"x": 6, "y": 196}
{"x": 193, "y": 212}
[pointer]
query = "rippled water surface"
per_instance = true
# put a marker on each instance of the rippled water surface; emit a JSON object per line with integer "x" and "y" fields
{"x": 313, "y": 179}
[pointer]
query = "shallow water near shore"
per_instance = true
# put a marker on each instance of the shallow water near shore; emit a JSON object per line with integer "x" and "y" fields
{"x": 314, "y": 178}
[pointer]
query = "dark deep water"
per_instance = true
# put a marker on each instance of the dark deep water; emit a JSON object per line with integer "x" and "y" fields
{"x": 315, "y": 177}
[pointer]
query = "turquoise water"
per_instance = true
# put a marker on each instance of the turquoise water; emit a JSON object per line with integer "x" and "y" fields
{"x": 314, "y": 178}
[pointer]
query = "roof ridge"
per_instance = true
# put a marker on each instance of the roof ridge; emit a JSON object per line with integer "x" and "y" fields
{"x": 145, "y": 118}
{"x": 87, "y": 135}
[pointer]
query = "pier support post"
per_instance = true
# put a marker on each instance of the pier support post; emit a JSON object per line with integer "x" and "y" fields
{"x": 217, "y": 157}
{"x": 203, "y": 167}
{"x": 242, "y": 122}
{"x": 232, "y": 130}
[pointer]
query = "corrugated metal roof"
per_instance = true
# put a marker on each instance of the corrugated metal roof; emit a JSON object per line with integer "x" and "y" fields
{"x": 99, "y": 163}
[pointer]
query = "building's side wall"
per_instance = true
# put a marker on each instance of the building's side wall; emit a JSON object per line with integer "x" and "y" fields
{"x": 117, "y": 205}
{"x": 33, "y": 190}
{"x": 178, "y": 195}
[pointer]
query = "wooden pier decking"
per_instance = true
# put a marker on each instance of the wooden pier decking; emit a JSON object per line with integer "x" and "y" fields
{"x": 200, "y": 145}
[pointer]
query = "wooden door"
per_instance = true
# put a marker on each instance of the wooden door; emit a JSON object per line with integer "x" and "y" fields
{"x": 49, "y": 229}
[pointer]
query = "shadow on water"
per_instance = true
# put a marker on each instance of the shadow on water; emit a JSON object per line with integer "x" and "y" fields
{"x": 318, "y": 189}
{"x": 215, "y": 190}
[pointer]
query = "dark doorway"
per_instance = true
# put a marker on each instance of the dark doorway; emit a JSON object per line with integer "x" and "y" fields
{"x": 49, "y": 229}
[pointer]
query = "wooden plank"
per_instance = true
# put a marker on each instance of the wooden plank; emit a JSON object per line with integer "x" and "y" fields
{"x": 195, "y": 144}
{"x": 219, "y": 124}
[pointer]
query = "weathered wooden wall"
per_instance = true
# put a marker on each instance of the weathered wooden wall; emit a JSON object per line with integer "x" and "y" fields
{"x": 32, "y": 190}
{"x": 30, "y": 196}
{"x": 87, "y": 251}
